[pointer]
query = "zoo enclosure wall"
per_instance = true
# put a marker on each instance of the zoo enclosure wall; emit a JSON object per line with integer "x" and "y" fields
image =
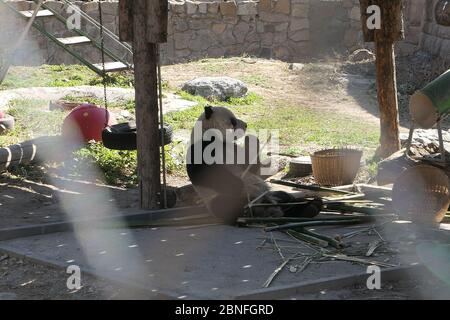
{"x": 289, "y": 30}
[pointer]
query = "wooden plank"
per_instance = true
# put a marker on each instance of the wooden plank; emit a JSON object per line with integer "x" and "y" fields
{"x": 145, "y": 74}
{"x": 112, "y": 66}
{"x": 157, "y": 17}
{"x": 126, "y": 20}
{"x": 40, "y": 13}
{"x": 74, "y": 40}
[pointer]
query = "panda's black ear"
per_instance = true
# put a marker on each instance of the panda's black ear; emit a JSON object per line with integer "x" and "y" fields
{"x": 208, "y": 112}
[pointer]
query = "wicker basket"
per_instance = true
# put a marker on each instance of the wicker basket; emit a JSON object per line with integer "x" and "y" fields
{"x": 421, "y": 194}
{"x": 336, "y": 167}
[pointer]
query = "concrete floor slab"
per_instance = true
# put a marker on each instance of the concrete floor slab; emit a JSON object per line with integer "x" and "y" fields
{"x": 214, "y": 262}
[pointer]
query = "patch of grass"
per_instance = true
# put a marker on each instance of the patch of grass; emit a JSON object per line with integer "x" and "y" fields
{"x": 119, "y": 167}
{"x": 62, "y": 76}
{"x": 257, "y": 80}
{"x": 127, "y": 105}
{"x": 298, "y": 126}
{"x": 33, "y": 119}
{"x": 123, "y": 80}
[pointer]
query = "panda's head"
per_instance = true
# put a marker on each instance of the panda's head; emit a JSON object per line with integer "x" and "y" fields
{"x": 222, "y": 119}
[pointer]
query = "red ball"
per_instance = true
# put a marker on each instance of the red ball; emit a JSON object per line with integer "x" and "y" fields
{"x": 86, "y": 122}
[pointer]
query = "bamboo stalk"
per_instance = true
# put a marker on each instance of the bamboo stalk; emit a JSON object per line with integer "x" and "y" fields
{"x": 350, "y": 208}
{"x": 307, "y": 187}
{"x": 313, "y": 224}
{"x": 281, "y": 204}
{"x": 284, "y": 220}
{"x": 307, "y": 238}
{"x": 331, "y": 241}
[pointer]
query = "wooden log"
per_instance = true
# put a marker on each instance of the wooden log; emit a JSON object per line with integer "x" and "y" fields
{"x": 392, "y": 27}
{"x": 390, "y": 31}
{"x": 145, "y": 74}
{"x": 157, "y": 20}
{"x": 369, "y": 35}
{"x": 391, "y": 168}
{"x": 387, "y": 98}
{"x": 126, "y": 20}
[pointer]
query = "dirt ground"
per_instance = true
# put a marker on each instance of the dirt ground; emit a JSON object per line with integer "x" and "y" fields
{"x": 25, "y": 280}
{"x": 321, "y": 85}
{"x": 329, "y": 86}
{"x": 325, "y": 86}
{"x": 332, "y": 86}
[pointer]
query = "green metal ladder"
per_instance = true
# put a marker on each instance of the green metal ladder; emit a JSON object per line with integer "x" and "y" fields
{"x": 80, "y": 37}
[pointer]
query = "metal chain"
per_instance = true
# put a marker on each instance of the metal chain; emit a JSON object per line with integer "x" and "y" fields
{"x": 102, "y": 48}
{"x": 161, "y": 119}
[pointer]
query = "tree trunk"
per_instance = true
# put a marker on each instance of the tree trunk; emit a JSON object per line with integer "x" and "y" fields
{"x": 146, "y": 109}
{"x": 387, "y": 98}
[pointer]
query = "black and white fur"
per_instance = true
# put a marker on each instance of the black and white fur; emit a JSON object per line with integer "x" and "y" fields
{"x": 226, "y": 188}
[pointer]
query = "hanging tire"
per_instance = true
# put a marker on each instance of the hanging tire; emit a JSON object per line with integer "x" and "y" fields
{"x": 171, "y": 196}
{"x": 122, "y": 136}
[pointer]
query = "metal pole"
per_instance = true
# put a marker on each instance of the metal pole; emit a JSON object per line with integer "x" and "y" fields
{"x": 161, "y": 119}
{"x": 4, "y": 69}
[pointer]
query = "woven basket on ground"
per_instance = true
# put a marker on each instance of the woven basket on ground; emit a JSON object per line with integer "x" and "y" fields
{"x": 336, "y": 167}
{"x": 422, "y": 194}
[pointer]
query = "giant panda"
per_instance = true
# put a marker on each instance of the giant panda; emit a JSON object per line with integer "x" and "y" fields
{"x": 225, "y": 187}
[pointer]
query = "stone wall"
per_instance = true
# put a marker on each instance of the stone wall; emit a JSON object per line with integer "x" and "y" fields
{"x": 435, "y": 38}
{"x": 268, "y": 28}
{"x": 290, "y": 30}
{"x": 276, "y": 29}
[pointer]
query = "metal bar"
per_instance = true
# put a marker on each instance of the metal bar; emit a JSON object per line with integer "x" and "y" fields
{"x": 161, "y": 120}
{"x": 55, "y": 40}
{"x": 106, "y": 30}
{"x": 66, "y": 48}
{"x": 313, "y": 188}
{"x": 410, "y": 137}
{"x": 5, "y": 67}
{"x": 82, "y": 33}
{"x": 441, "y": 141}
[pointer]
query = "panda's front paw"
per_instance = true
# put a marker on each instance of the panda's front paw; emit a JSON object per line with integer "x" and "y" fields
{"x": 274, "y": 212}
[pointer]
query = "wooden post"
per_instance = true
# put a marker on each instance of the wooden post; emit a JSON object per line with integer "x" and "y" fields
{"x": 387, "y": 98}
{"x": 146, "y": 84}
{"x": 391, "y": 30}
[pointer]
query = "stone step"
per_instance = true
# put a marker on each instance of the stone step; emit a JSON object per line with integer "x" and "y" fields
{"x": 41, "y": 13}
{"x": 74, "y": 40}
{"x": 112, "y": 66}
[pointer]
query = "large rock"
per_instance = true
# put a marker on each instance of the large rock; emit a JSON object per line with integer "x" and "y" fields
{"x": 220, "y": 88}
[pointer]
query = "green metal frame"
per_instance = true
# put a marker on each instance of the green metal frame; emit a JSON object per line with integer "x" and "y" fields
{"x": 67, "y": 48}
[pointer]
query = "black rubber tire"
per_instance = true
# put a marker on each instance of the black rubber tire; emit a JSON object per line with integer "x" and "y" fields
{"x": 122, "y": 136}
{"x": 171, "y": 195}
{"x": 7, "y": 122}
